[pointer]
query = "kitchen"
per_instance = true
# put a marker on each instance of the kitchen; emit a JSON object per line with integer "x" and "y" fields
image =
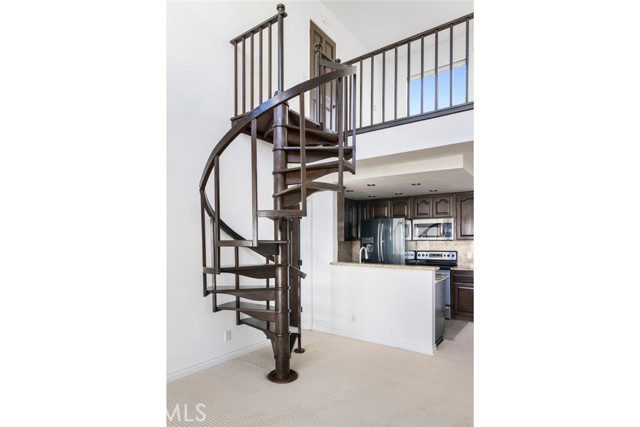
{"x": 385, "y": 298}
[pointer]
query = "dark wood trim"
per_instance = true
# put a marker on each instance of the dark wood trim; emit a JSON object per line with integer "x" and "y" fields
{"x": 416, "y": 118}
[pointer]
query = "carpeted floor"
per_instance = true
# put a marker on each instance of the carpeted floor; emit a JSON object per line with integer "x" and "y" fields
{"x": 342, "y": 382}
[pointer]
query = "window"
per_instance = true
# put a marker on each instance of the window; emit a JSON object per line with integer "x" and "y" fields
{"x": 429, "y": 89}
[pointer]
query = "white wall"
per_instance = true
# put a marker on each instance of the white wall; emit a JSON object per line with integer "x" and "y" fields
{"x": 385, "y": 305}
{"x": 199, "y": 105}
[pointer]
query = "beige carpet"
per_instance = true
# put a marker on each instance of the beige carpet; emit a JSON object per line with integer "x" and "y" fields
{"x": 343, "y": 382}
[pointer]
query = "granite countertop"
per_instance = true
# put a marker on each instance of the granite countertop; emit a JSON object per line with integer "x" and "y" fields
{"x": 404, "y": 267}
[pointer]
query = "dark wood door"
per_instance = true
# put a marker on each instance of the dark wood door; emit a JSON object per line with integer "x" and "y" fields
{"x": 464, "y": 208}
{"x": 421, "y": 207}
{"x": 317, "y": 36}
{"x": 379, "y": 209}
{"x": 442, "y": 206}
{"x": 462, "y": 294}
{"x": 400, "y": 208}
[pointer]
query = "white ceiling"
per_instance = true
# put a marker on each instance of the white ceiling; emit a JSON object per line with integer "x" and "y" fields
{"x": 444, "y": 169}
{"x": 379, "y": 23}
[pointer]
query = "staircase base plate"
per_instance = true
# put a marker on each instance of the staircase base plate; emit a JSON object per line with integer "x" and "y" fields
{"x": 299, "y": 350}
{"x": 293, "y": 375}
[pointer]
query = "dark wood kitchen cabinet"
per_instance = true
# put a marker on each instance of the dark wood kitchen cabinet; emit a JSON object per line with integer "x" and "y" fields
{"x": 462, "y": 294}
{"x": 400, "y": 208}
{"x": 351, "y": 220}
{"x": 464, "y": 216}
{"x": 432, "y": 207}
{"x": 379, "y": 209}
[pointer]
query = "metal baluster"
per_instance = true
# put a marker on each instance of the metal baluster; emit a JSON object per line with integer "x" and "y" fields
{"x": 353, "y": 129}
{"x": 372, "y": 90}
{"x": 244, "y": 76}
{"x": 203, "y": 235}
{"x": 303, "y": 155}
{"x": 235, "y": 78}
{"x": 252, "y": 73}
{"x": 260, "y": 66}
{"x": 216, "y": 213}
{"x": 466, "y": 61}
{"x": 361, "y": 79}
{"x": 384, "y": 78}
{"x": 395, "y": 85}
{"x": 270, "y": 66}
{"x": 451, "y": 66}
{"x": 436, "y": 75}
{"x": 254, "y": 181}
{"x": 421, "y": 74}
{"x": 340, "y": 125}
{"x": 237, "y": 283}
{"x": 408, "y": 77}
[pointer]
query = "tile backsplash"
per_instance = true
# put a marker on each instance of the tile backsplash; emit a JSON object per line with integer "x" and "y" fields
{"x": 349, "y": 251}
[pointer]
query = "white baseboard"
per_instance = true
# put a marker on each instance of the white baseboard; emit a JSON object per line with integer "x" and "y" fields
{"x": 430, "y": 350}
{"x": 181, "y": 373}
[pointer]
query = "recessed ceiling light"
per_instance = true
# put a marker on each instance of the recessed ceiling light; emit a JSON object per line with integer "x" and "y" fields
{"x": 371, "y": 195}
{"x": 432, "y": 190}
{"x": 415, "y": 183}
{"x": 371, "y": 185}
{"x": 398, "y": 194}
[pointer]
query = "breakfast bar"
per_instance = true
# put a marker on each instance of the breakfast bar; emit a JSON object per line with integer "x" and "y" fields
{"x": 386, "y": 304}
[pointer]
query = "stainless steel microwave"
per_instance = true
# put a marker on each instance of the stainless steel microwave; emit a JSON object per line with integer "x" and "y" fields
{"x": 433, "y": 229}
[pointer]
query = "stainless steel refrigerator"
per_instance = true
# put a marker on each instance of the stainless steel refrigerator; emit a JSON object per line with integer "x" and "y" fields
{"x": 383, "y": 240}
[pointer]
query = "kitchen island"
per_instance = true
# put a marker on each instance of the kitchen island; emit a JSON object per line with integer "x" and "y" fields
{"x": 386, "y": 304}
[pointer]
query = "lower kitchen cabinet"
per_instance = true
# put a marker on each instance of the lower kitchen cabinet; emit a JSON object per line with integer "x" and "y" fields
{"x": 462, "y": 294}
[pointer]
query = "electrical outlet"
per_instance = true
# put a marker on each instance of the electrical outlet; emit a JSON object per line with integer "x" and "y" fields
{"x": 227, "y": 335}
{"x": 469, "y": 255}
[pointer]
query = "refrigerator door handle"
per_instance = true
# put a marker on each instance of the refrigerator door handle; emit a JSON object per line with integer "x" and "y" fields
{"x": 380, "y": 234}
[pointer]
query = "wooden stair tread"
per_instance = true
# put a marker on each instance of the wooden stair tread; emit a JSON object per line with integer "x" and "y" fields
{"x": 316, "y": 166}
{"x": 257, "y": 311}
{"x": 284, "y": 213}
{"x": 310, "y": 185}
{"x": 314, "y": 137}
{"x": 259, "y": 271}
{"x": 256, "y": 294}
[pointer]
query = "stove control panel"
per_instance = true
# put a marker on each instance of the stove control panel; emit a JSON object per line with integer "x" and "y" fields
{"x": 437, "y": 255}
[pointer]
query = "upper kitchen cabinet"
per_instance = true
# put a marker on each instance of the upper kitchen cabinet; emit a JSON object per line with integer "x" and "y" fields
{"x": 464, "y": 218}
{"x": 379, "y": 209}
{"x": 400, "y": 208}
{"x": 351, "y": 219}
{"x": 432, "y": 207}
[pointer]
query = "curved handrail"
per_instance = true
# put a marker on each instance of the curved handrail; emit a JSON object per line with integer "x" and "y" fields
{"x": 263, "y": 108}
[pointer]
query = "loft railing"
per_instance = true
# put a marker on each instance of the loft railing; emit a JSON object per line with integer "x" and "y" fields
{"x": 423, "y": 76}
{"x": 252, "y": 85}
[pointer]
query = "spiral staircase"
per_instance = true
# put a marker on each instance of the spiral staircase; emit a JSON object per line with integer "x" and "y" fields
{"x": 304, "y": 150}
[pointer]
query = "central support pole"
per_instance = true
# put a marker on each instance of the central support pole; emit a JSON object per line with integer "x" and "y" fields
{"x": 281, "y": 344}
